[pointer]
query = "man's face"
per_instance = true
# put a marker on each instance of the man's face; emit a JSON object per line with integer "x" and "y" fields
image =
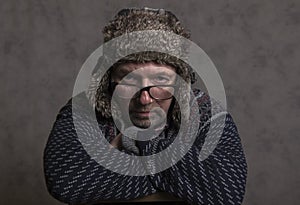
{"x": 136, "y": 77}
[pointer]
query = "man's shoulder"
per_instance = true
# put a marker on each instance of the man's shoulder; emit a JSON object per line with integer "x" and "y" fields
{"x": 78, "y": 103}
{"x": 207, "y": 103}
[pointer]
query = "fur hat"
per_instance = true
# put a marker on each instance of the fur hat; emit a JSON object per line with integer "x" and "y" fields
{"x": 132, "y": 20}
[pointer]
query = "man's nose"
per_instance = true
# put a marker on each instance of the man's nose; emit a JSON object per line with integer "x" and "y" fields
{"x": 145, "y": 98}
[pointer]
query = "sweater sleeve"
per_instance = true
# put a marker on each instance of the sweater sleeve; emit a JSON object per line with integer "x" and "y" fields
{"x": 219, "y": 179}
{"x": 213, "y": 170}
{"x": 74, "y": 177}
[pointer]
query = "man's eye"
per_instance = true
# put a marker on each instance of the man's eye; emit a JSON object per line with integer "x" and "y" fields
{"x": 162, "y": 79}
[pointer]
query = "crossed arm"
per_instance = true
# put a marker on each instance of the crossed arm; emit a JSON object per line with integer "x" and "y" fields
{"x": 73, "y": 177}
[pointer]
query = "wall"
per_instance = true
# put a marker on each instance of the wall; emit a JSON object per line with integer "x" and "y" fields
{"x": 254, "y": 44}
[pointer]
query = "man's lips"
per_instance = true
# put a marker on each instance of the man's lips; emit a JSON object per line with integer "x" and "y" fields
{"x": 141, "y": 113}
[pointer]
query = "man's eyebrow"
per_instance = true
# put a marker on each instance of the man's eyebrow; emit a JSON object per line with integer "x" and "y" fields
{"x": 163, "y": 73}
{"x": 121, "y": 71}
{"x": 124, "y": 70}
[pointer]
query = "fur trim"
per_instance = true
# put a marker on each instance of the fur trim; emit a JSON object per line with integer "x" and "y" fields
{"x": 130, "y": 20}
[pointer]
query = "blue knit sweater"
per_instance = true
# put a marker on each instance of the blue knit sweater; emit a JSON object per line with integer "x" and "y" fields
{"x": 73, "y": 176}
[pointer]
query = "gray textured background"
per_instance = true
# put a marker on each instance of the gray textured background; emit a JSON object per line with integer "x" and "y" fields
{"x": 254, "y": 45}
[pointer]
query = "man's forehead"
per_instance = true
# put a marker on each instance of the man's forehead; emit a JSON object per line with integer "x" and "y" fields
{"x": 144, "y": 67}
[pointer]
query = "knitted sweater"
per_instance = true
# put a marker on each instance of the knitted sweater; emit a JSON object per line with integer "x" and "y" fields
{"x": 73, "y": 176}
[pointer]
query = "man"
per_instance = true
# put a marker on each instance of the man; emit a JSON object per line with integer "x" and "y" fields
{"x": 138, "y": 104}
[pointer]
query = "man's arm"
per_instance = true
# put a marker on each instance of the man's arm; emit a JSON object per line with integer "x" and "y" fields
{"x": 73, "y": 177}
{"x": 219, "y": 179}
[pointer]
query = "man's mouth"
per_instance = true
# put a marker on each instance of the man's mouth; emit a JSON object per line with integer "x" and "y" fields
{"x": 142, "y": 114}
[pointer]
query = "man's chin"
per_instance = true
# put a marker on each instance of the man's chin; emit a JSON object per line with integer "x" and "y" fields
{"x": 146, "y": 123}
{"x": 142, "y": 123}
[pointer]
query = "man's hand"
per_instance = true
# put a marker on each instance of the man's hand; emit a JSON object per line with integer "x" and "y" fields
{"x": 117, "y": 141}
